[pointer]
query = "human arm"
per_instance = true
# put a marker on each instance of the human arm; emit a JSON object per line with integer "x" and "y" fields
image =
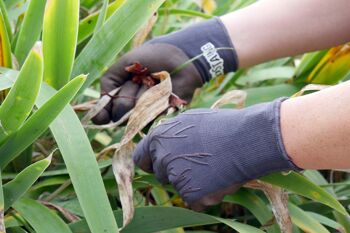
{"x": 260, "y": 32}
{"x": 271, "y": 29}
{"x": 316, "y": 128}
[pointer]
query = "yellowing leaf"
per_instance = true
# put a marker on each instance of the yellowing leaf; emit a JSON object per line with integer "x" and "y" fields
{"x": 333, "y": 67}
{"x": 208, "y": 6}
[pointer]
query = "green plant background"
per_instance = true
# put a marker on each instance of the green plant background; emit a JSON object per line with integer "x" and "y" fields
{"x": 51, "y": 180}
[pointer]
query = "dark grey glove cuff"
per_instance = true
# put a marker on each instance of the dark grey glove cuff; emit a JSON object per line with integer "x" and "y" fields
{"x": 209, "y": 38}
{"x": 278, "y": 158}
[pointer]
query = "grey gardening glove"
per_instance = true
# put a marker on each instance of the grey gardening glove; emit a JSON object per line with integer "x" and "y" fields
{"x": 206, "y": 154}
{"x": 168, "y": 53}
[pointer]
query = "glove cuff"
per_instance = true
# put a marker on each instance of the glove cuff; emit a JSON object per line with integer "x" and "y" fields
{"x": 276, "y": 109}
{"x": 208, "y": 44}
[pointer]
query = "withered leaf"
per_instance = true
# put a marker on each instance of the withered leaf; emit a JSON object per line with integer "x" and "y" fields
{"x": 278, "y": 198}
{"x": 152, "y": 103}
{"x": 237, "y": 97}
{"x": 310, "y": 87}
{"x": 123, "y": 169}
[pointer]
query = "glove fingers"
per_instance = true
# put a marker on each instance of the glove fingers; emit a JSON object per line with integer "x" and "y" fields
{"x": 126, "y": 100}
{"x": 104, "y": 116}
{"x": 142, "y": 90}
{"x": 213, "y": 198}
{"x": 142, "y": 157}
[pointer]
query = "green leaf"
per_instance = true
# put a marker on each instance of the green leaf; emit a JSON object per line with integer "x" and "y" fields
{"x": 2, "y": 210}
{"x": 6, "y": 19}
{"x": 15, "y": 188}
{"x": 154, "y": 219}
{"x": 326, "y": 221}
{"x": 5, "y": 49}
{"x": 87, "y": 25}
{"x": 308, "y": 62}
{"x": 255, "y": 205}
{"x": 184, "y": 12}
{"x": 240, "y": 227}
{"x": 112, "y": 37}
{"x": 82, "y": 166}
{"x": 305, "y": 221}
{"x": 61, "y": 21}
{"x": 39, "y": 121}
{"x": 102, "y": 16}
{"x": 41, "y": 218}
{"x": 20, "y": 101}
{"x": 30, "y": 29}
{"x": 299, "y": 184}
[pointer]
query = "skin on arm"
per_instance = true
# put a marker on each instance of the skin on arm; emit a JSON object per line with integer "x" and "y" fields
{"x": 316, "y": 128}
{"x": 271, "y": 29}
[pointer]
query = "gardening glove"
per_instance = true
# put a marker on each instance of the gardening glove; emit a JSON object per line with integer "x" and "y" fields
{"x": 167, "y": 53}
{"x": 206, "y": 154}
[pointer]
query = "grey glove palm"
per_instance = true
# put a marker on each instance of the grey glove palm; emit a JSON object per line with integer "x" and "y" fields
{"x": 207, "y": 153}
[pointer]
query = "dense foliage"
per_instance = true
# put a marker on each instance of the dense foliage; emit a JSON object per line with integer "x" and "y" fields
{"x": 54, "y": 176}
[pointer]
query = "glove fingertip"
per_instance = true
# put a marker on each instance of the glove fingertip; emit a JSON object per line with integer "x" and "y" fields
{"x": 101, "y": 118}
{"x": 141, "y": 156}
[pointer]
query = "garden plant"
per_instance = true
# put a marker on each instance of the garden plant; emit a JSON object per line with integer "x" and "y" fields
{"x": 60, "y": 173}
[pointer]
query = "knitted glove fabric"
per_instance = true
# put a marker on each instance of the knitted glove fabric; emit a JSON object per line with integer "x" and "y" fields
{"x": 207, "y": 42}
{"x": 207, "y": 154}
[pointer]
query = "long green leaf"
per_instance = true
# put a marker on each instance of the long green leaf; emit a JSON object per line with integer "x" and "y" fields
{"x": 154, "y": 219}
{"x": 41, "y": 218}
{"x": 6, "y": 19}
{"x": 15, "y": 189}
{"x": 20, "y": 101}
{"x": 5, "y": 49}
{"x": 2, "y": 207}
{"x": 305, "y": 221}
{"x": 88, "y": 24}
{"x": 254, "y": 204}
{"x": 112, "y": 37}
{"x": 302, "y": 186}
{"x": 61, "y": 21}
{"x": 30, "y": 29}
{"x": 39, "y": 121}
{"x": 82, "y": 167}
{"x": 102, "y": 16}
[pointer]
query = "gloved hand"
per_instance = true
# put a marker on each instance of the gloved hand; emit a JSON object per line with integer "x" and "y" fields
{"x": 206, "y": 154}
{"x": 167, "y": 53}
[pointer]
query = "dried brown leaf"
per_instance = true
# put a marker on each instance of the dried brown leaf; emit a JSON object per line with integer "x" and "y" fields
{"x": 236, "y": 97}
{"x": 99, "y": 106}
{"x": 66, "y": 213}
{"x": 152, "y": 103}
{"x": 123, "y": 169}
{"x": 142, "y": 34}
{"x": 278, "y": 198}
{"x": 310, "y": 87}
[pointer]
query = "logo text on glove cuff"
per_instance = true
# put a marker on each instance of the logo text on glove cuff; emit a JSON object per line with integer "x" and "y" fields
{"x": 213, "y": 58}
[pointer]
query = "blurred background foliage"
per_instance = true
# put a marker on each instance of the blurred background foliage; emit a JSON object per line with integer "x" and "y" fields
{"x": 51, "y": 179}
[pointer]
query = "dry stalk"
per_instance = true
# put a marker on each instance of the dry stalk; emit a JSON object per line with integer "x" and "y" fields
{"x": 151, "y": 104}
{"x": 237, "y": 97}
{"x": 310, "y": 87}
{"x": 142, "y": 34}
{"x": 279, "y": 203}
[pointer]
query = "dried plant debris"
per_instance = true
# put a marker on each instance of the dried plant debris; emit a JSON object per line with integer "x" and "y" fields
{"x": 236, "y": 97}
{"x": 99, "y": 106}
{"x": 142, "y": 34}
{"x": 310, "y": 87}
{"x": 152, "y": 103}
{"x": 142, "y": 76}
{"x": 123, "y": 169}
{"x": 278, "y": 198}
